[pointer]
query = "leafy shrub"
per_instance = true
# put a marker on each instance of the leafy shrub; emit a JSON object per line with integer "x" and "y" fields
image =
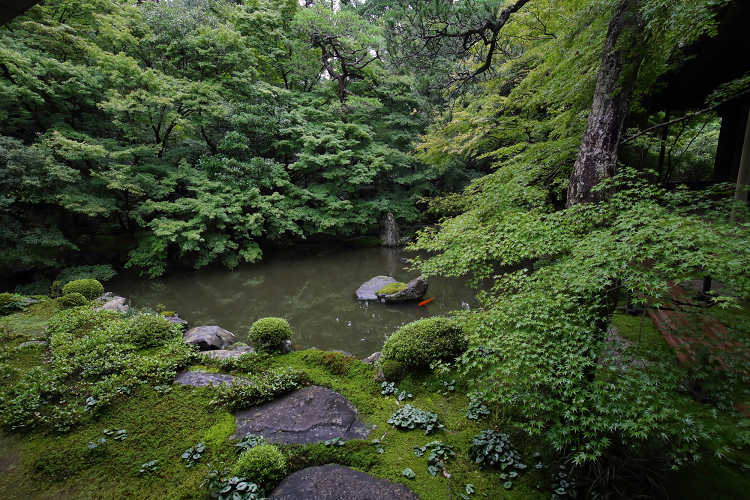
{"x": 426, "y": 340}
{"x": 41, "y": 287}
{"x": 494, "y": 448}
{"x": 260, "y": 389}
{"x": 248, "y": 442}
{"x": 150, "y": 330}
{"x": 223, "y": 485}
{"x": 392, "y": 370}
{"x": 476, "y": 410}
{"x": 74, "y": 299}
{"x": 101, "y": 272}
{"x": 192, "y": 455}
{"x": 249, "y": 362}
{"x": 270, "y": 334}
{"x": 263, "y": 464}
{"x": 391, "y": 288}
{"x": 439, "y": 453}
{"x": 11, "y": 302}
{"x": 410, "y": 417}
{"x": 89, "y": 288}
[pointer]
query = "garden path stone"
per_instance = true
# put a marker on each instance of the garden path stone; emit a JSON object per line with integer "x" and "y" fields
{"x": 310, "y": 415}
{"x": 368, "y": 288}
{"x": 202, "y": 379}
{"x": 335, "y": 482}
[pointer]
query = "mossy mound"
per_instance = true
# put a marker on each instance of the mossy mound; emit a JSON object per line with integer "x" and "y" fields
{"x": 391, "y": 288}
{"x": 426, "y": 340}
{"x": 265, "y": 465}
{"x": 270, "y": 334}
{"x": 89, "y": 288}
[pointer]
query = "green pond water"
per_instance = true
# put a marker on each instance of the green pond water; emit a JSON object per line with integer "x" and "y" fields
{"x": 312, "y": 290}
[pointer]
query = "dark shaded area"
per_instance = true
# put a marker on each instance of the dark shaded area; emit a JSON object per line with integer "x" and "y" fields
{"x": 10, "y": 9}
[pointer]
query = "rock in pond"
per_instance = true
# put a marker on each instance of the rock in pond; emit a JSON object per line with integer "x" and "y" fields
{"x": 209, "y": 338}
{"x": 414, "y": 290}
{"x": 336, "y": 482}
{"x": 202, "y": 379}
{"x": 117, "y": 304}
{"x": 372, "y": 358}
{"x": 228, "y": 353}
{"x": 368, "y": 289}
{"x": 310, "y": 415}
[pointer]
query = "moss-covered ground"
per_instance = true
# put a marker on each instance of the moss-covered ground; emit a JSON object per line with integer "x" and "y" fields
{"x": 161, "y": 423}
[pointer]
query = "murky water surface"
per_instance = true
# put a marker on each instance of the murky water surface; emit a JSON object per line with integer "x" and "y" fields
{"x": 312, "y": 290}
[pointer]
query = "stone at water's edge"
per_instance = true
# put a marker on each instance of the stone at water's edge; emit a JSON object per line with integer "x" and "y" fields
{"x": 372, "y": 358}
{"x": 389, "y": 234}
{"x": 310, "y": 415}
{"x": 117, "y": 304}
{"x": 178, "y": 321}
{"x": 368, "y": 289}
{"x": 415, "y": 290}
{"x": 224, "y": 353}
{"x": 202, "y": 379}
{"x": 336, "y": 482}
{"x": 209, "y": 338}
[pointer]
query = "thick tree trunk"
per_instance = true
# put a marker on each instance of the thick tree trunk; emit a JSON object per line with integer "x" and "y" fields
{"x": 597, "y": 156}
{"x": 389, "y": 233}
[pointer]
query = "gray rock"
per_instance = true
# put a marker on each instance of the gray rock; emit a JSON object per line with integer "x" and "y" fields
{"x": 379, "y": 376}
{"x": 209, "y": 338}
{"x": 415, "y": 290}
{"x": 310, "y": 415}
{"x": 389, "y": 234}
{"x": 106, "y": 296}
{"x": 117, "y": 304}
{"x": 179, "y": 321}
{"x": 372, "y": 358}
{"x": 202, "y": 379}
{"x": 368, "y": 289}
{"x": 33, "y": 343}
{"x": 288, "y": 347}
{"x": 336, "y": 482}
{"x": 345, "y": 353}
{"x": 224, "y": 353}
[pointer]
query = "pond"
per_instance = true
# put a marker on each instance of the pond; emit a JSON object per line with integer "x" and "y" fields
{"x": 312, "y": 290}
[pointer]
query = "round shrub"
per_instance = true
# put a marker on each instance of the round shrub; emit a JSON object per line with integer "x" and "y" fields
{"x": 426, "y": 340}
{"x": 393, "y": 371}
{"x": 263, "y": 464}
{"x": 89, "y": 288}
{"x": 149, "y": 330}
{"x": 73, "y": 299}
{"x": 270, "y": 334}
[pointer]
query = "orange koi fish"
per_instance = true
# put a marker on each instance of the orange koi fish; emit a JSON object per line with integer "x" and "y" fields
{"x": 425, "y": 302}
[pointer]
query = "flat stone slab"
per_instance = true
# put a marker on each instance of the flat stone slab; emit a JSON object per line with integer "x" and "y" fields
{"x": 310, "y": 415}
{"x": 227, "y": 353}
{"x": 202, "y": 379}
{"x": 368, "y": 289}
{"x": 336, "y": 482}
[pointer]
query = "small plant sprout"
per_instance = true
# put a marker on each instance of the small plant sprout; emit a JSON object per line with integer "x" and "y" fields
{"x": 476, "y": 410}
{"x": 408, "y": 473}
{"x": 249, "y": 441}
{"x": 388, "y": 388}
{"x": 337, "y": 441}
{"x": 439, "y": 453}
{"x": 469, "y": 490}
{"x": 90, "y": 403}
{"x": 95, "y": 444}
{"x": 116, "y": 434}
{"x": 410, "y": 417}
{"x": 378, "y": 445}
{"x": 163, "y": 389}
{"x": 404, "y": 395}
{"x": 449, "y": 386}
{"x": 148, "y": 466}
{"x": 193, "y": 455}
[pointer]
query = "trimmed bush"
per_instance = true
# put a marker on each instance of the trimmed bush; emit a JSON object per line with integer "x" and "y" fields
{"x": 270, "y": 334}
{"x": 391, "y": 288}
{"x": 423, "y": 341}
{"x": 73, "y": 299}
{"x": 89, "y": 288}
{"x": 150, "y": 330}
{"x": 264, "y": 465}
{"x": 393, "y": 370}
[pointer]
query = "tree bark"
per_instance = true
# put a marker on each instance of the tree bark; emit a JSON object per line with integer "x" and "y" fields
{"x": 597, "y": 156}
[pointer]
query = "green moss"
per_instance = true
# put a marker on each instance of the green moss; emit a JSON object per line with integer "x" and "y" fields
{"x": 264, "y": 465}
{"x": 270, "y": 334}
{"x": 391, "y": 288}
{"x": 421, "y": 342}
{"x": 89, "y": 288}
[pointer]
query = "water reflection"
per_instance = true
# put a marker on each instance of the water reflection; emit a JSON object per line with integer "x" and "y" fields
{"x": 313, "y": 291}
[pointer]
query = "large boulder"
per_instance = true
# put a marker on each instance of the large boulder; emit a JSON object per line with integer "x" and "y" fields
{"x": 203, "y": 379}
{"x": 117, "y": 304}
{"x": 368, "y": 288}
{"x": 209, "y": 338}
{"x": 336, "y": 482}
{"x": 310, "y": 415}
{"x": 415, "y": 290}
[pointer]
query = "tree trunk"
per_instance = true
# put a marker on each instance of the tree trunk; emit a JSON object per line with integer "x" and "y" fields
{"x": 597, "y": 156}
{"x": 389, "y": 234}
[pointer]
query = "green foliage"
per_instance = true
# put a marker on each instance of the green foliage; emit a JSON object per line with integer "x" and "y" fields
{"x": 73, "y": 299}
{"x": 338, "y": 363}
{"x": 249, "y": 441}
{"x": 10, "y": 302}
{"x": 100, "y": 272}
{"x": 495, "y": 449}
{"x": 424, "y": 341}
{"x": 192, "y": 455}
{"x": 259, "y": 389}
{"x": 152, "y": 330}
{"x": 270, "y": 334}
{"x": 89, "y": 288}
{"x": 223, "y": 485}
{"x": 391, "y": 288}
{"x": 410, "y": 417}
{"x": 392, "y": 369}
{"x": 250, "y": 362}
{"x": 263, "y": 464}
{"x": 439, "y": 453}
{"x": 477, "y": 410}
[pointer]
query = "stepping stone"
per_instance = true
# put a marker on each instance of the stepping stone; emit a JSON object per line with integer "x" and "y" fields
{"x": 310, "y": 415}
{"x": 202, "y": 379}
{"x": 335, "y": 482}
